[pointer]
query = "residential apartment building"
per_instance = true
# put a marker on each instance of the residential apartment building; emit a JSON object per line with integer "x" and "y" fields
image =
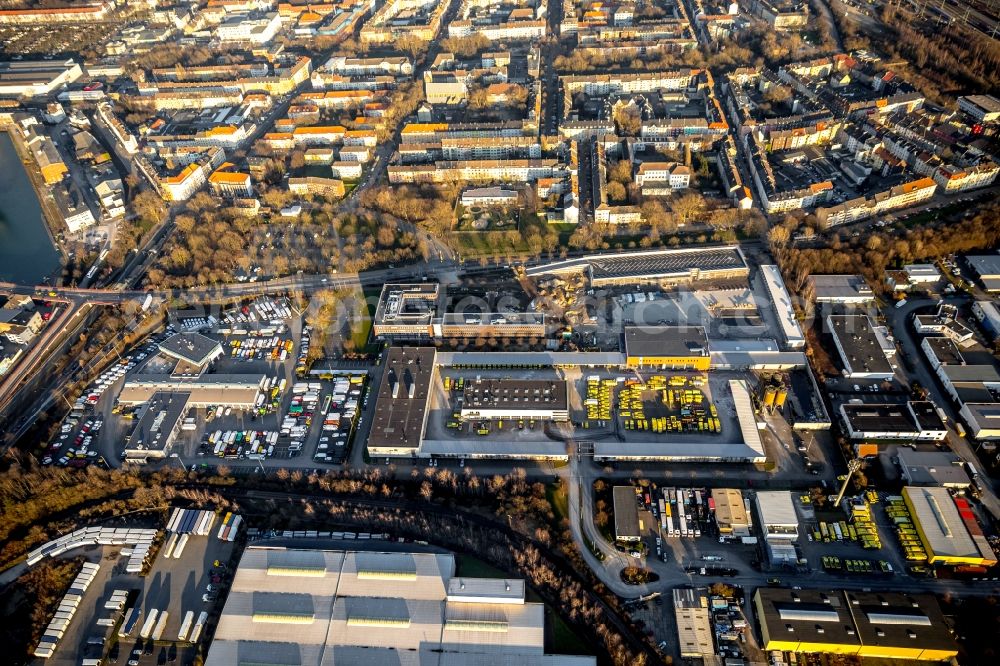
{"x": 90, "y": 12}
{"x": 230, "y": 184}
{"x": 522, "y": 171}
{"x": 401, "y": 18}
{"x": 196, "y": 167}
{"x": 955, "y": 179}
{"x": 662, "y": 178}
{"x": 862, "y": 208}
{"x": 781, "y": 15}
{"x": 19, "y": 325}
{"x": 312, "y": 185}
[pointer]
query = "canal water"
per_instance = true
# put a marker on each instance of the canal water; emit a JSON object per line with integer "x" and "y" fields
{"x": 27, "y": 255}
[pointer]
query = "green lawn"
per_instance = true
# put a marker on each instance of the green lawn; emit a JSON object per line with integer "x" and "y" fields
{"x": 472, "y": 244}
{"x": 559, "y": 500}
{"x": 360, "y": 333}
{"x": 473, "y": 567}
{"x": 560, "y": 639}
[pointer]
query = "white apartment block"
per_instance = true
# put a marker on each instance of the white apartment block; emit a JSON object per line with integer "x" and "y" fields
{"x": 956, "y": 179}
{"x": 248, "y": 28}
{"x": 662, "y": 175}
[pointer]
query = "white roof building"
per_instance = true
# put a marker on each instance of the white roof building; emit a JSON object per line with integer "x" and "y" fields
{"x": 922, "y": 273}
{"x": 352, "y": 607}
{"x": 778, "y": 519}
{"x": 782, "y": 303}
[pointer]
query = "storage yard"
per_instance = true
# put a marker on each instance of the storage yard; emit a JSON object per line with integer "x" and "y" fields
{"x": 142, "y": 595}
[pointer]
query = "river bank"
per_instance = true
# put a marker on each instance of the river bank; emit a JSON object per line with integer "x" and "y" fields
{"x": 29, "y": 223}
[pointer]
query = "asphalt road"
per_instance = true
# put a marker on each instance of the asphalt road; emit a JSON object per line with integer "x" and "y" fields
{"x": 900, "y": 321}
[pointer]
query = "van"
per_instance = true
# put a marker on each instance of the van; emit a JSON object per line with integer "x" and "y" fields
{"x": 901, "y": 303}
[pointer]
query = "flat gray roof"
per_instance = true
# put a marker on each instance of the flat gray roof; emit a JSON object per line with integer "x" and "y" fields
{"x": 626, "y": 512}
{"x": 987, "y": 266}
{"x": 971, "y": 373}
{"x": 665, "y": 341}
{"x": 155, "y": 427}
{"x": 313, "y": 607}
{"x": 542, "y": 394}
{"x": 688, "y": 262}
{"x": 528, "y": 359}
{"x": 862, "y": 352}
{"x": 840, "y": 287}
{"x": 776, "y": 507}
{"x": 932, "y": 468}
{"x": 493, "y": 319}
{"x": 401, "y": 404}
{"x": 401, "y": 304}
{"x": 524, "y": 449}
{"x": 667, "y": 263}
{"x": 212, "y": 389}
{"x": 880, "y": 418}
{"x": 194, "y": 348}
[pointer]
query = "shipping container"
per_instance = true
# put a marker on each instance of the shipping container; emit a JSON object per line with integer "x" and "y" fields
{"x": 161, "y": 624}
{"x": 182, "y": 635}
{"x": 147, "y": 627}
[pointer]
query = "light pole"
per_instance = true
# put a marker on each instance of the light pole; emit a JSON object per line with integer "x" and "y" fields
{"x": 853, "y": 466}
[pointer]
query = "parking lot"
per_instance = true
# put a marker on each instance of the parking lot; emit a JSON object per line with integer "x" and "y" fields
{"x": 173, "y": 585}
{"x": 299, "y": 422}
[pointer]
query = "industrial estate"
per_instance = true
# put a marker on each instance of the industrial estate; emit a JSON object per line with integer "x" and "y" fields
{"x": 507, "y": 332}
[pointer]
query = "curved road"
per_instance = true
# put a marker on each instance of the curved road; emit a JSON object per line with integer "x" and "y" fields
{"x": 580, "y": 476}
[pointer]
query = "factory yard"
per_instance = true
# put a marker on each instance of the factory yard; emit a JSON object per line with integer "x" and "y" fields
{"x": 602, "y": 405}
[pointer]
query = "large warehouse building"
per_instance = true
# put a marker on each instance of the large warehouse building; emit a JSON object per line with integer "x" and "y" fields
{"x": 987, "y": 268}
{"x": 694, "y": 628}
{"x": 948, "y": 536}
{"x": 626, "y": 510}
{"x": 320, "y": 607}
{"x": 791, "y": 331}
{"x": 731, "y": 512}
{"x": 412, "y": 405}
{"x": 654, "y": 266}
{"x": 673, "y": 347}
{"x": 883, "y": 625}
{"x": 537, "y": 399}
{"x": 778, "y": 520}
{"x": 862, "y": 353}
{"x": 401, "y": 405}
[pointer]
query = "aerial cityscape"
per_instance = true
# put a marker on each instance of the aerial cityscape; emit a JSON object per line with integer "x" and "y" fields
{"x": 499, "y": 332}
